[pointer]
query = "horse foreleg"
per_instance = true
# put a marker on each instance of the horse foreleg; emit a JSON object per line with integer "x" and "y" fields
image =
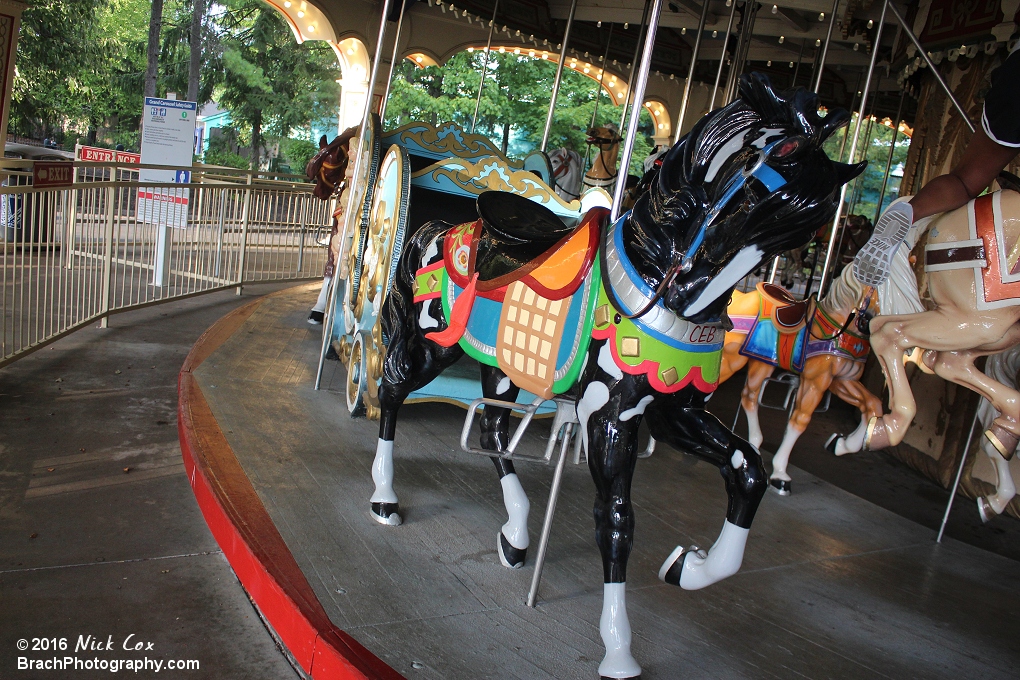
{"x": 814, "y": 381}
{"x": 757, "y": 373}
{"x": 889, "y": 343}
{"x": 609, "y": 412}
{"x": 513, "y": 540}
{"x": 855, "y": 393}
{"x": 1005, "y": 488}
{"x": 1004, "y": 431}
{"x": 700, "y": 433}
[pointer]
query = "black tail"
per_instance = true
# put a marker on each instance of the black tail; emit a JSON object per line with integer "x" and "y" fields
{"x": 399, "y": 325}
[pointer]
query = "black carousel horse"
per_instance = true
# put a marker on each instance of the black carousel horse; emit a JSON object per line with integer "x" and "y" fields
{"x": 748, "y": 182}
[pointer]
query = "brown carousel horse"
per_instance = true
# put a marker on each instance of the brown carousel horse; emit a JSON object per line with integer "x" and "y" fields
{"x": 820, "y": 343}
{"x": 327, "y": 170}
{"x": 974, "y": 281}
{"x": 603, "y": 169}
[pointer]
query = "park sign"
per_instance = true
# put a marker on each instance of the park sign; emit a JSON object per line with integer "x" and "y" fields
{"x": 52, "y": 174}
{"x": 95, "y": 154}
{"x": 168, "y": 138}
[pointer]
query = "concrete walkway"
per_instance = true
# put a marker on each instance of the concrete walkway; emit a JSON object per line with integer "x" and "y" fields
{"x": 99, "y": 531}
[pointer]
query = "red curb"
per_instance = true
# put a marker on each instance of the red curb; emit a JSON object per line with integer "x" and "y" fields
{"x": 251, "y": 542}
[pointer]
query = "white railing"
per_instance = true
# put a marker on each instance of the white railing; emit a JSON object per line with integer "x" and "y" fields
{"x": 70, "y": 256}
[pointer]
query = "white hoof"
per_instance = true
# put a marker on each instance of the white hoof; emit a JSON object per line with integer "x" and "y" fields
{"x": 386, "y": 514}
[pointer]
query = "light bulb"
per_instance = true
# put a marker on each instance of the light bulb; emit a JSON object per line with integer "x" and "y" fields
{"x": 626, "y": 25}
{"x": 791, "y": 64}
{"x": 769, "y": 62}
{"x": 818, "y": 42}
{"x": 300, "y": 14}
{"x": 715, "y": 34}
{"x": 871, "y": 23}
{"x": 856, "y": 47}
{"x": 729, "y": 2}
{"x": 821, "y": 16}
{"x": 683, "y": 31}
{"x": 782, "y": 39}
{"x": 775, "y": 8}
{"x": 599, "y": 24}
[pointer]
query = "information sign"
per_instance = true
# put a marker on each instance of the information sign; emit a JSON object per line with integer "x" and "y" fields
{"x": 98, "y": 155}
{"x": 168, "y": 138}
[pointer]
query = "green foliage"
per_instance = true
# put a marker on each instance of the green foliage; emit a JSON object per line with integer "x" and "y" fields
{"x": 220, "y": 151}
{"x": 297, "y": 153}
{"x": 81, "y": 63}
{"x": 268, "y": 82}
{"x": 514, "y": 102}
{"x": 875, "y": 140}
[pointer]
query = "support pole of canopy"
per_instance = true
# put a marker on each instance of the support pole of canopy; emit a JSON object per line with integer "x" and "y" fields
{"x": 731, "y": 75}
{"x": 722, "y": 57}
{"x": 745, "y": 47}
{"x": 876, "y": 45}
{"x": 931, "y": 65}
{"x": 634, "y": 63}
{"x": 800, "y": 58}
{"x": 956, "y": 484}
{"x": 825, "y": 45}
{"x": 559, "y": 74}
{"x": 602, "y": 76}
{"x": 393, "y": 63}
{"x": 350, "y": 212}
{"x": 485, "y": 66}
{"x": 888, "y": 162}
{"x": 690, "y": 72}
{"x": 638, "y": 88}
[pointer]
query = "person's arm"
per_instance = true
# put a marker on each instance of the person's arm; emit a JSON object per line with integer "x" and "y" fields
{"x": 983, "y": 160}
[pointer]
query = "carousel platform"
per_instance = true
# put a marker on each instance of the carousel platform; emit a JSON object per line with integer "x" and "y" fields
{"x": 831, "y": 586}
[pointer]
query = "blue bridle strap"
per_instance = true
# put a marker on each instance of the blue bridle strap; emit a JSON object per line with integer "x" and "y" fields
{"x": 763, "y": 173}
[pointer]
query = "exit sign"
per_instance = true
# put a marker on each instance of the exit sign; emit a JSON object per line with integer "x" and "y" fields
{"x": 52, "y": 174}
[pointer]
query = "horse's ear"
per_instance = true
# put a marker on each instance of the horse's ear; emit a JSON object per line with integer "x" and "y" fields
{"x": 322, "y": 142}
{"x": 847, "y": 171}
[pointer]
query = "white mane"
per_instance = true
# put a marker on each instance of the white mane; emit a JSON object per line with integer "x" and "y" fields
{"x": 844, "y": 293}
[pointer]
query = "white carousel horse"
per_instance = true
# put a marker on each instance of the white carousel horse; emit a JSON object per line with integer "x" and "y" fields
{"x": 1003, "y": 368}
{"x": 973, "y": 279}
{"x": 566, "y": 173}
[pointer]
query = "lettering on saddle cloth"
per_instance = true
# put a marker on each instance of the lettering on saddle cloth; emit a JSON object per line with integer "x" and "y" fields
{"x": 779, "y": 335}
{"x": 522, "y": 326}
{"x": 994, "y": 257}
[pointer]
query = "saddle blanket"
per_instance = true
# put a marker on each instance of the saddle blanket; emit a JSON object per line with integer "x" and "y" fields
{"x": 989, "y": 252}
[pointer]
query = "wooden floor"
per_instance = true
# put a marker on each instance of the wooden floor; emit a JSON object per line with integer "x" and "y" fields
{"x": 832, "y": 586}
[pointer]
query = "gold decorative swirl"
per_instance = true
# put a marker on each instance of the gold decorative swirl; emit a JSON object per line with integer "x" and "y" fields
{"x": 491, "y": 175}
{"x": 450, "y": 138}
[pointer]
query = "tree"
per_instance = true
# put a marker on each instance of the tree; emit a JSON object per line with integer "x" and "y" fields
{"x": 268, "y": 82}
{"x": 195, "y": 45}
{"x": 514, "y": 102}
{"x": 152, "y": 53}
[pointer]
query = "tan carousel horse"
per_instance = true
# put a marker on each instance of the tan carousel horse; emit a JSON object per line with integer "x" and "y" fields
{"x": 606, "y": 140}
{"x": 971, "y": 261}
{"x": 822, "y": 344}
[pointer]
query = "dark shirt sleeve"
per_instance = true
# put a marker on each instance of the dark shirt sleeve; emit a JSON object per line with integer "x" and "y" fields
{"x": 1001, "y": 116}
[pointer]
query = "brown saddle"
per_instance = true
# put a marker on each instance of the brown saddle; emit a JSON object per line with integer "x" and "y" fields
{"x": 788, "y": 313}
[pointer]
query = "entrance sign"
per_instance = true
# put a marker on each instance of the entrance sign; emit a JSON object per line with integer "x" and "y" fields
{"x": 168, "y": 138}
{"x": 98, "y": 155}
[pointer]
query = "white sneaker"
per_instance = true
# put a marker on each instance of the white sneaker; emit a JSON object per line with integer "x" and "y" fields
{"x": 872, "y": 264}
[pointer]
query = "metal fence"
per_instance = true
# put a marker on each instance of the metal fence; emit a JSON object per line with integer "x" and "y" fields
{"x": 110, "y": 243}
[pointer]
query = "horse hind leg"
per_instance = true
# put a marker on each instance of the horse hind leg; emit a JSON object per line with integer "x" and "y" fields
{"x": 512, "y": 540}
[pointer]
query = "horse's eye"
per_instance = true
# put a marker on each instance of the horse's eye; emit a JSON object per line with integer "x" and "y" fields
{"x": 786, "y": 148}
